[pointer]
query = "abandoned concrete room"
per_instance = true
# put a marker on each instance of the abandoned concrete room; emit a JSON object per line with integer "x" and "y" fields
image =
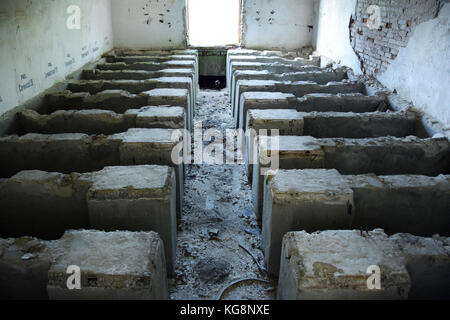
{"x": 224, "y": 150}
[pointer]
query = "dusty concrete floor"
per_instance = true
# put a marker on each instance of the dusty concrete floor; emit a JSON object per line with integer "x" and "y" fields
{"x": 217, "y": 219}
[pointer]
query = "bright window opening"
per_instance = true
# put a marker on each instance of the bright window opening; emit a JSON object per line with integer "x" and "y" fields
{"x": 213, "y": 22}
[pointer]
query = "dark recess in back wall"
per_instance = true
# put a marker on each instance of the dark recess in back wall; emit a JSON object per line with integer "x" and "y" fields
{"x": 212, "y": 82}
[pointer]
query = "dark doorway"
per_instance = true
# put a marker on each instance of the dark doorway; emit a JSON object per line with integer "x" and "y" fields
{"x": 212, "y": 82}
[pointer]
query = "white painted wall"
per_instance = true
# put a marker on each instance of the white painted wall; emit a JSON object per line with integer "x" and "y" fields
{"x": 37, "y": 48}
{"x": 421, "y": 71}
{"x": 149, "y": 24}
{"x": 333, "y": 34}
{"x": 277, "y": 24}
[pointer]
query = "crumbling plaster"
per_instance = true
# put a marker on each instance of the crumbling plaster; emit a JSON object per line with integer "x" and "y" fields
{"x": 420, "y": 72}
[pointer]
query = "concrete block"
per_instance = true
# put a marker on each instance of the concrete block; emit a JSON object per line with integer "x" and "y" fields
{"x": 100, "y": 121}
{"x": 300, "y": 199}
{"x": 65, "y": 153}
{"x": 268, "y": 66}
{"x": 114, "y": 266}
{"x": 361, "y": 125}
{"x": 294, "y": 152}
{"x": 351, "y": 102}
{"x": 147, "y": 66}
{"x": 66, "y": 98}
{"x": 298, "y": 88}
{"x": 97, "y": 74}
{"x": 329, "y": 124}
{"x": 140, "y": 58}
{"x": 68, "y": 153}
{"x": 251, "y": 52}
{"x": 118, "y": 101}
{"x": 232, "y": 60}
{"x": 303, "y": 200}
{"x": 151, "y": 146}
{"x": 137, "y": 198}
{"x": 173, "y": 97}
{"x": 130, "y": 52}
{"x": 286, "y": 121}
{"x": 381, "y": 156}
{"x": 333, "y": 265}
{"x": 263, "y": 100}
{"x": 388, "y": 155}
{"x": 428, "y": 264}
{"x": 132, "y": 86}
{"x": 92, "y": 121}
{"x": 134, "y": 198}
{"x": 165, "y": 117}
{"x": 151, "y": 66}
{"x": 341, "y": 102}
{"x": 43, "y": 204}
{"x": 320, "y": 77}
{"x": 402, "y": 203}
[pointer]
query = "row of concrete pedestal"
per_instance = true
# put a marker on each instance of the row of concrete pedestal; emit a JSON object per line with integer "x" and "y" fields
{"x": 98, "y": 157}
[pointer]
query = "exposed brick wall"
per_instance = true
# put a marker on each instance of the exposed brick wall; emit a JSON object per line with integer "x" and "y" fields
{"x": 377, "y": 48}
